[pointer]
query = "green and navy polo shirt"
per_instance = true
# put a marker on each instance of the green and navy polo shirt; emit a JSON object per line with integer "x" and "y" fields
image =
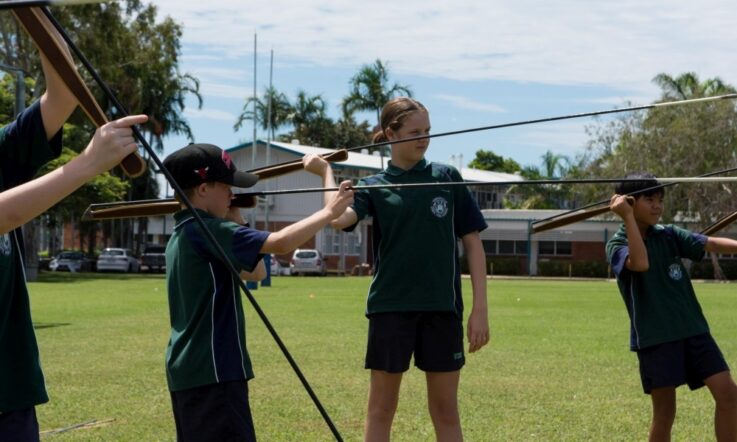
{"x": 23, "y": 150}
{"x": 661, "y": 302}
{"x": 208, "y": 329}
{"x": 415, "y": 238}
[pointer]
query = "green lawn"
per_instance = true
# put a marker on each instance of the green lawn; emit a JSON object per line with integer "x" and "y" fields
{"x": 558, "y": 366}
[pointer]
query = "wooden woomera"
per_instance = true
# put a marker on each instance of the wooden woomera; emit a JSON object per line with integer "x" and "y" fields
{"x": 159, "y": 207}
{"x": 40, "y": 29}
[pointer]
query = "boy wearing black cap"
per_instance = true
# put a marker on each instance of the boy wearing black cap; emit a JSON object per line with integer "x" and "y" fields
{"x": 207, "y": 364}
{"x": 668, "y": 329}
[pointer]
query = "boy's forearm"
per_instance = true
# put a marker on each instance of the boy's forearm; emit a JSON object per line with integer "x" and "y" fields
{"x": 720, "y": 245}
{"x": 25, "y": 202}
{"x": 294, "y": 235}
{"x": 638, "y": 259}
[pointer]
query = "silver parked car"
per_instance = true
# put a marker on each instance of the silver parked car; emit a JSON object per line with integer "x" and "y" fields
{"x": 307, "y": 261}
{"x": 70, "y": 261}
{"x": 120, "y": 260}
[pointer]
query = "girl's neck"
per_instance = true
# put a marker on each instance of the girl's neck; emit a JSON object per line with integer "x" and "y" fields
{"x": 403, "y": 164}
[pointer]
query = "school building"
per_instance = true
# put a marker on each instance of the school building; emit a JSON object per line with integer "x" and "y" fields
{"x": 343, "y": 250}
{"x": 511, "y": 247}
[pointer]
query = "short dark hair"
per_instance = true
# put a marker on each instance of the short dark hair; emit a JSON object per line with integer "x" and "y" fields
{"x": 638, "y": 188}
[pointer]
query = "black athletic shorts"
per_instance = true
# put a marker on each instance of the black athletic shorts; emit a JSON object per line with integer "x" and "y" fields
{"x": 686, "y": 361}
{"x": 435, "y": 339}
{"x": 19, "y": 426}
{"x": 216, "y": 412}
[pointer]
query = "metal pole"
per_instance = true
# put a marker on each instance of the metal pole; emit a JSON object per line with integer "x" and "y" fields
{"x": 20, "y": 87}
{"x": 267, "y": 259}
{"x": 255, "y": 100}
{"x": 268, "y": 138}
{"x": 254, "y": 145}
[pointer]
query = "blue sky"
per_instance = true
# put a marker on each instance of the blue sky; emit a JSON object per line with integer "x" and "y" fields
{"x": 472, "y": 63}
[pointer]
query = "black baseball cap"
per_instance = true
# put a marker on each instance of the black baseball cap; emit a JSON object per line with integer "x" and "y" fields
{"x": 200, "y": 163}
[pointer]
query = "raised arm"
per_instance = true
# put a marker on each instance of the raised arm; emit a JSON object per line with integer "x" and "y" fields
{"x": 292, "y": 236}
{"x": 637, "y": 261}
{"x": 317, "y": 165}
{"x": 57, "y": 102}
{"x": 720, "y": 245}
{"x": 111, "y": 143}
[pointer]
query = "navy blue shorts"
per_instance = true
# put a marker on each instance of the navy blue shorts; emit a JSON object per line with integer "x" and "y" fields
{"x": 217, "y": 412}
{"x": 686, "y": 361}
{"x": 435, "y": 339}
{"x": 19, "y": 426}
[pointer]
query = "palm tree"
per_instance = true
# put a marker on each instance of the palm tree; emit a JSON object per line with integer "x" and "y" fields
{"x": 370, "y": 90}
{"x": 258, "y": 108}
{"x": 687, "y": 86}
{"x": 306, "y": 109}
{"x": 166, "y": 106}
{"x": 554, "y": 165}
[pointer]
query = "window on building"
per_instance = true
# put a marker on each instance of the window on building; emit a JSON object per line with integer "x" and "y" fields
{"x": 520, "y": 247}
{"x": 555, "y": 248}
{"x": 332, "y": 242}
{"x": 546, "y": 247}
{"x": 563, "y": 248}
{"x": 506, "y": 247}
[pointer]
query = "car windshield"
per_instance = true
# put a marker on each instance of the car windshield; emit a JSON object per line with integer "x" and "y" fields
{"x": 70, "y": 255}
{"x": 306, "y": 254}
{"x": 156, "y": 249}
{"x": 113, "y": 253}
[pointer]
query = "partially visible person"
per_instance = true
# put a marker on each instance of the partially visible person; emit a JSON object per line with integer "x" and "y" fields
{"x": 26, "y": 144}
{"x": 669, "y": 332}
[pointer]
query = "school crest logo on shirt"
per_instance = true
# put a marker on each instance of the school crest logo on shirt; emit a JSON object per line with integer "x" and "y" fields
{"x": 439, "y": 207}
{"x": 5, "y": 245}
{"x": 675, "y": 272}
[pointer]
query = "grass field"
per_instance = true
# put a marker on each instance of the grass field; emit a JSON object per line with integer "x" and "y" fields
{"x": 558, "y": 366}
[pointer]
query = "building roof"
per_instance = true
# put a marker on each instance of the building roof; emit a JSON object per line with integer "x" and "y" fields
{"x": 373, "y": 162}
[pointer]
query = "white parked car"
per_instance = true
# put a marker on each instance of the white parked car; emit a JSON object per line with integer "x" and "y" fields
{"x": 308, "y": 261}
{"x": 277, "y": 268}
{"x": 115, "y": 259}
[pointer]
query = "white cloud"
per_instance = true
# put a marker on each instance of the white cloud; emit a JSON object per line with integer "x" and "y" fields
{"x": 209, "y": 114}
{"x": 224, "y": 90}
{"x": 620, "y": 44}
{"x": 466, "y": 103}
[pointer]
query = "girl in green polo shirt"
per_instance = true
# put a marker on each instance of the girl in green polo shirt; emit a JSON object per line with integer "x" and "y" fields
{"x": 414, "y": 303}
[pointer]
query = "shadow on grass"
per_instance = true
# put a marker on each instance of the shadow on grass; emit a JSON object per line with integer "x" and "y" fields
{"x": 42, "y": 325}
{"x": 53, "y": 277}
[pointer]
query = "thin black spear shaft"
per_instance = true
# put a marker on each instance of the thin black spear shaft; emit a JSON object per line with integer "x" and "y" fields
{"x": 606, "y": 201}
{"x": 667, "y": 182}
{"x": 540, "y": 120}
{"x": 208, "y": 234}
